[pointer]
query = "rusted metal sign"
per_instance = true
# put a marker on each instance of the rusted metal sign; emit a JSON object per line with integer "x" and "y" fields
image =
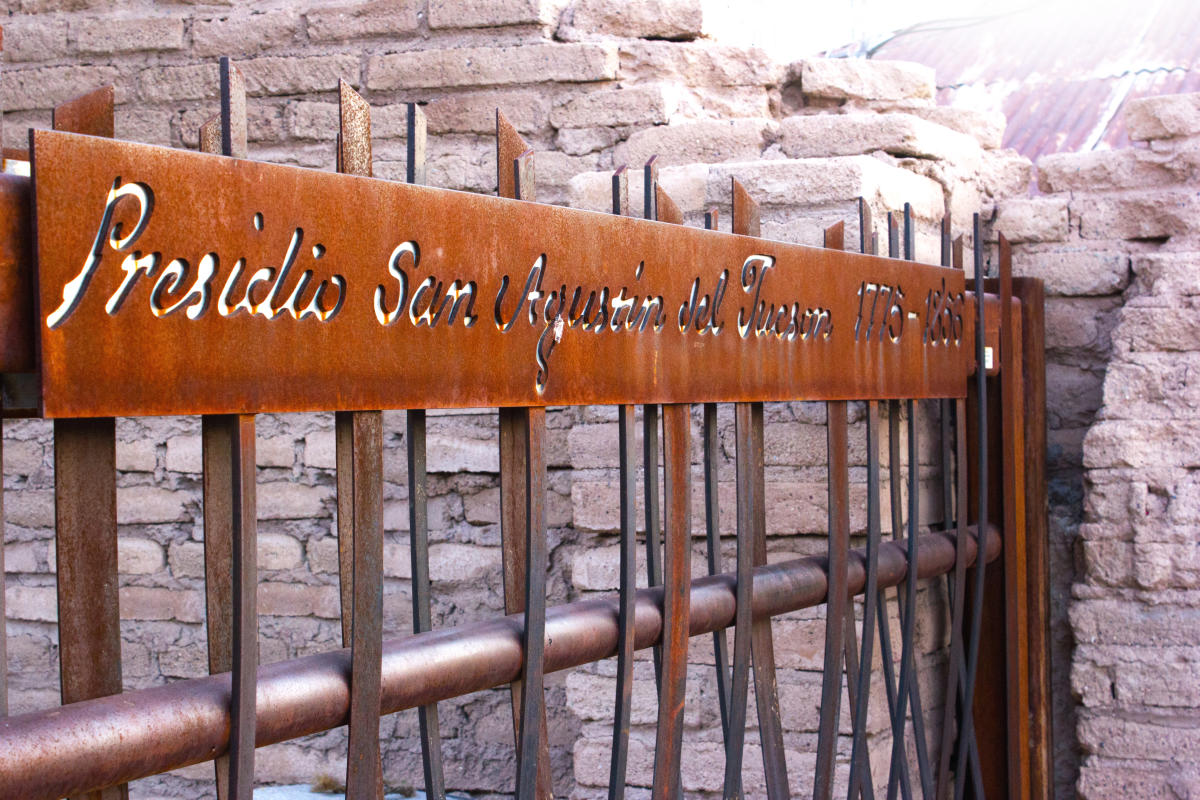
{"x": 174, "y": 282}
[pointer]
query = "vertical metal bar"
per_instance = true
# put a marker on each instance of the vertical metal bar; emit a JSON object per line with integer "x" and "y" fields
{"x": 515, "y": 532}
{"x": 628, "y": 582}
{"x": 712, "y": 529}
{"x": 85, "y": 518}
{"x": 533, "y": 707}
{"x": 752, "y": 494}
{"x": 625, "y": 618}
{"x": 3, "y": 617}
{"x": 901, "y": 778}
{"x": 966, "y": 721}
{"x": 837, "y": 600}
{"x": 861, "y": 784}
{"x": 245, "y": 611}
{"x": 418, "y": 513}
{"x": 650, "y": 428}
{"x": 677, "y": 486}
{"x": 908, "y": 606}
{"x": 360, "y": 520}
{"x": 85, "y": 514}
{"x": 743, "y": 619}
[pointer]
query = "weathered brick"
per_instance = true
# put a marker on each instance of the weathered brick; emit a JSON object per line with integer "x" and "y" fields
{"x": 320, "y": 450}
{"x": 279, "y": 551}
{"x": 186, "y": 559}
{"x": 449, "y": 453}
{"x": 493, "y": 66}
{"x": 140, "y": 455}
{"x": 21, "y": 557}
{"x": 475, "y": 112}
{"x": 482, "y": 508}
{"x": 150, "y": 505}
{"x": 275, "y": 75}
{"x": 1032, "y": 219}
{"x": 128, "y": 35}
{"x": 1074, "y": 270}
{"x": 823, "y": 135}
{"x": 35, "y": 38}
{"x": 450, "y": 561}
{"x": 649, "y": 104}
{"x": 1137, "y": 215}
{"x": 854, "y": 79}
{"x": 687, "y": 186}
{"x": 704, "y": 141}
{"x": 23, "y": 457}
{"x": 323, "y": 555}
{"x": 297, "y": 600}
{"x": 1094, "y": 170}
{"x": 185, "y": 454}
{"x": 275, "y": 451}
{"x": 138, "y": 556}
{"x": 1163, "y": 117}
{"x": 830, "y": 180}
{"x": 361, "y": 20}
{"x": 287, "y": 500}
{"x": 46, "y": 87}
{"x": 679, "y": 20}
{"x": 490, "y": 13}
{"x": 985, "y": 127}
{"x": 32, "y": 603}
{"x": 189, "y": 82}
{"x": 243, "y": 33}
{"x": 141, "y": 602}
{"x": 698, "y": 64}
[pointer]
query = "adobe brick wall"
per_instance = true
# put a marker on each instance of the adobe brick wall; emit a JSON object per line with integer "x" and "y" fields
{"x": 1116, "y": 237}
{"x": 591, "y": 84}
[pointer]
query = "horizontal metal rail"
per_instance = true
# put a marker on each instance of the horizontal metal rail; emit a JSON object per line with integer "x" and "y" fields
{"x": 112, "y": 740}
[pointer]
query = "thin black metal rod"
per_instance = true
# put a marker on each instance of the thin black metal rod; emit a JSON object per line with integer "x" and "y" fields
{"x": 712, "y": 529}
{"x": 861, "y": 783}
{"x": 739, "y": 691}
{"x": 627, "y": 596}
{"x": 966, "y": 722}
{"x": 534, "y": 634}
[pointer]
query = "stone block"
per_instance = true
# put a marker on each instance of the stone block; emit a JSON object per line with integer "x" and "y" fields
{"x": 482, "y": 508}
{"x": 1073, "y": 271}
{"x": 279, "y": 551}
{"x": 35, "y": 38}
{"x": 188, "y": 82}
{"x": 244, "y": 33}
{"x": 1164, "y": 275}
{"x": 320, "y": 450}
{"x": 323, "y": 555}
{"x": 1005, "y": 173}
{"x": 186, "y": 559}
{"x": 1128, "y": 168}
{"x": 554, "y": 172}
{"x": 451, "y": 453}
{"x": 598, "y": 569}
{"x": 698, "y": 64}
{"x": 1163, "y": 117}
{"x": 275, "y": 451}
{"x": 138, "y": 556}
{"x": 297, "y": 600}
{"x": 823, "y": 181}
{"x": 475, "y": 112}
{"x": 128, "y": 35}
{"x": 23, "y": 457}
{"x": 453, "y": 562}
{"x": 858, "y": 79}
{"x": 150, "y": 505}
{"x": 31, "y": 603}
{"x": 1137, "y": 215}
{"x": 640, "y": 104}
{"x": 493, "y": 66}
{"x": 287, "y": 500}
{"x": 703, "y": 141}
{"x": 1032, "y": 219}
{"x": 490, "y": 13}
{"x": 903, "y": 135}
{"x": 147, "y": 603}
{"x": 29, "y": 508}
{"x": 985, "y": 127}
{"x": 687, "y": 186}
{"x": 46, "y": 87}
{"x": 676, "y": 20}
{"x": 21, "y": 557}
{"x": 362, "y": 20}
{"x": 185, "y": 454}
{"x": 277, "y": 75}
{"x": 140, "y": 455}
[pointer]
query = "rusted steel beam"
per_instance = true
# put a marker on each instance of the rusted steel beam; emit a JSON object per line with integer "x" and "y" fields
{"x": 85, "y": 513}
{"x": 474, "y": 246}
{"x": 16, "y": 276}
{"x": 359, "y": 444}
{"x": 61, "y": 751}
{"x": 515, "y": 180}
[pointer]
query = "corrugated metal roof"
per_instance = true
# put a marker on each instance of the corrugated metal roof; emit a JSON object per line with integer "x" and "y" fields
{"x": 1061, "y": 71}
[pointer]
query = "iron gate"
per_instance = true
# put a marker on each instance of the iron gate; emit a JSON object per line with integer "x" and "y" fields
{"x": 873, "y": 342}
